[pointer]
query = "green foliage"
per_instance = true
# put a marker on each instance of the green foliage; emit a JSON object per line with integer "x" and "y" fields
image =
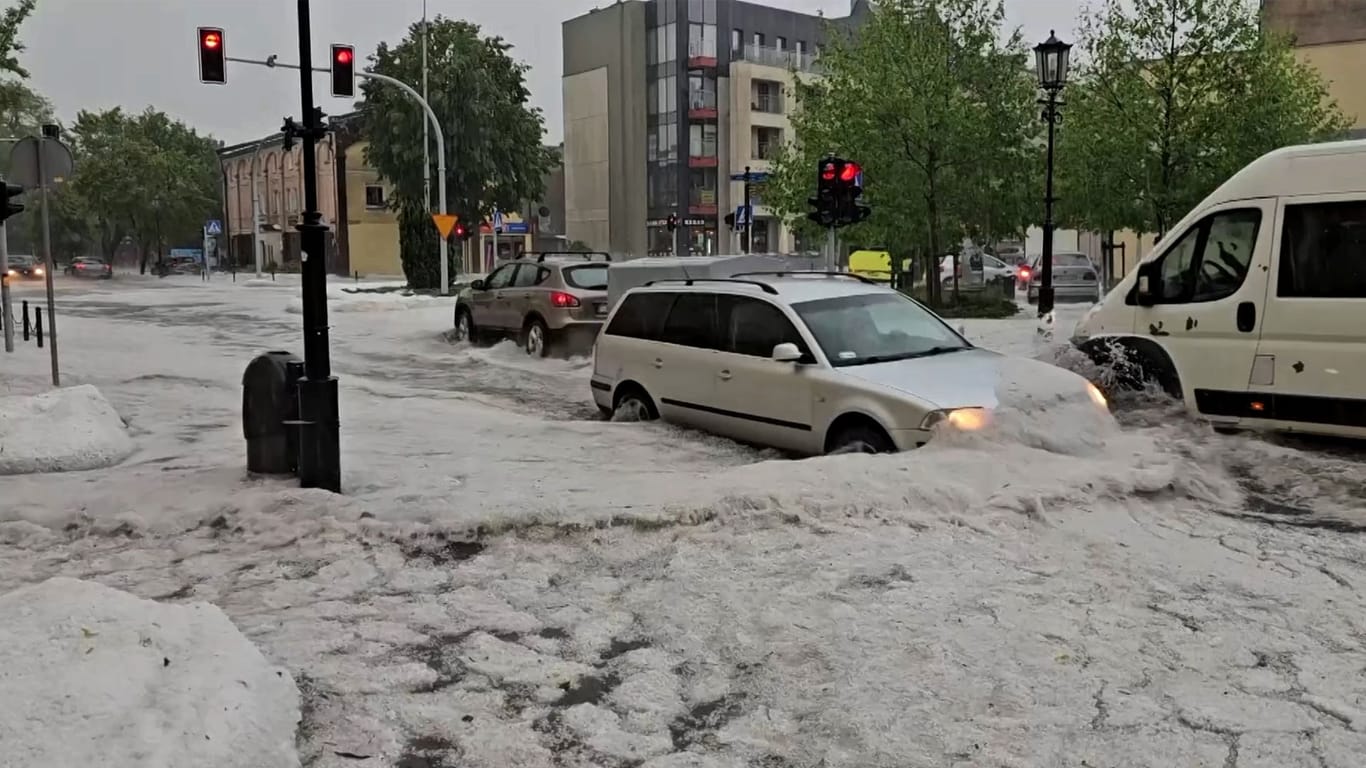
{"x": 578, "y": 246}
{"x": 494, "y": 151}
{"x": 941, "y": 115}
{"x": 10, "y": 47}
{"x": 420, "y": 247}
{"x": 142, "y": 175}
{"x": 1170, "y": 98}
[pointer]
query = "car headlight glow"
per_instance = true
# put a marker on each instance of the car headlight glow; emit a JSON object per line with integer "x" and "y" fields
{"x": 965, "y": 419}
{"x": 38, "y": 271}
{"x": 1097, "y": 396}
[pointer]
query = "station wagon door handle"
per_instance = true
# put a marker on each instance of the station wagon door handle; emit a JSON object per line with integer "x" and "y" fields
{"x": 724, "y": 375}
{"x": 659, "y": 363}
{"x": 1247, "y": 316}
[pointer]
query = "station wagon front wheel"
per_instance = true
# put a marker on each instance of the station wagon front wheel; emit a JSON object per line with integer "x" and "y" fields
{"x": 464, "y": 326}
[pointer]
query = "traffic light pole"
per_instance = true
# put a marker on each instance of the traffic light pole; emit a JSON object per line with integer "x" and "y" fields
{"x": 832, "y": 250}
{"x": 319, "y": 417}
{"x": 431, "y": 120}
{"x": 6, "y": 313}
{"x": 747, "y": 241}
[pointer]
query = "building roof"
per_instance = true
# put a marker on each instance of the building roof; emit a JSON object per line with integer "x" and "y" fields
{"x": 344, "y": 121}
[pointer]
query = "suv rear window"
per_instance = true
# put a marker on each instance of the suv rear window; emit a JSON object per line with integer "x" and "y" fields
{"x": 590, "y": 277}
{"x": 641, "y": 315}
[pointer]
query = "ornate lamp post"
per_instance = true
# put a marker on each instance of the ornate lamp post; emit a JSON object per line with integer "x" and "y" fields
{"x": 1051, "y": 58}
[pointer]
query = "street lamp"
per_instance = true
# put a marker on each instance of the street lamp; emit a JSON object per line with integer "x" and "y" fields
{"x": 1051, "y": 58}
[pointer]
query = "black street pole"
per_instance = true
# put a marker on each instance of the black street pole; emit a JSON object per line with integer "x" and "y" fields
{"x": 319, "y": 427}
{"x": 1050, "y": 115}
{"x": 747, "y": 239}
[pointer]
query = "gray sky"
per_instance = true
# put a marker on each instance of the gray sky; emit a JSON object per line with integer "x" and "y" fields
{"x": 94, "y": 54}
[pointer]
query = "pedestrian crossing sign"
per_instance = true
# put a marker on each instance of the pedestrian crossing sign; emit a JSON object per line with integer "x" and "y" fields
{"x": 213, "y": 227}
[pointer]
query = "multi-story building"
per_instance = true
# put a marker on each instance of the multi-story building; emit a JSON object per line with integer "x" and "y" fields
{"x": 1331, "y": 36}
{"x": 664, "y": 102}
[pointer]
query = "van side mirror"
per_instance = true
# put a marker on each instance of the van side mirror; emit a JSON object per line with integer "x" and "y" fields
{"x": 787, "y": 352}
{"x": 1143, "y": 291}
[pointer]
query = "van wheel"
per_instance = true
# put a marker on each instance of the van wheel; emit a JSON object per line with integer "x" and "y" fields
{"x": 536, "y": 338}
{"x": 632, "y": 404}
{"x": 861, "y": 438}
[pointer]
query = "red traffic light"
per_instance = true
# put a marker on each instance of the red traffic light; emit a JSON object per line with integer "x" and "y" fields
{"x": 344, "y": 55}
{"x": 828, "y": 172}
{"x": 213, "y": 62}
{"x": 850, "y": 172}
{"x": 212, "y": 40}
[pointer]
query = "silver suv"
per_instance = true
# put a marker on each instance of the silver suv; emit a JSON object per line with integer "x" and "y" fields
{"x": 808, "y": 363}
{"x": 543, "y": 300}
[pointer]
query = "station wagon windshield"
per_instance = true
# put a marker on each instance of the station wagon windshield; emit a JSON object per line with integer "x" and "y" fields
{"x": 876, "y": 328}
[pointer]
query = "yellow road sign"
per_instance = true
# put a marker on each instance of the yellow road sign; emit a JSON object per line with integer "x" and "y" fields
{"x": 445, "y": 222}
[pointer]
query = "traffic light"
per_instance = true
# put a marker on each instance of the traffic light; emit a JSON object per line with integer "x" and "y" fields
{"x": 213, "y": 62}
{"x": 343, "y": 71}
{"x": 12, "y": 206}
{"x": 459, "y": 231}
{"x": 839, "y": 187}
{"x": 671, "y": 222}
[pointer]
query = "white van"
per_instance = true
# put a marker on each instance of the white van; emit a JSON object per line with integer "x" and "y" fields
{"x": 1253, "y": 308}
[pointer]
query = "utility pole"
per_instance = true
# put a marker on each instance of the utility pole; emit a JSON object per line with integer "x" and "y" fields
{"x": 426, "y": 141}
{"x": 256, "y": 211}
{"x": 48, "y": 132}
{"x": 748, "y": 234}
{"x": 319, "y": 420}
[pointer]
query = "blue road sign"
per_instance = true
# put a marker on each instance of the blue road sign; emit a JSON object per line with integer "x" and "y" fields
{"x": 213, "y": 227}
{"x": 753, "y": 176}
{"x": 497, "y": 220}
{"x": 743, "y": 215}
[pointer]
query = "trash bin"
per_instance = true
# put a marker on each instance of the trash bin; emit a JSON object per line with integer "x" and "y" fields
{"x": 269, "y": 401}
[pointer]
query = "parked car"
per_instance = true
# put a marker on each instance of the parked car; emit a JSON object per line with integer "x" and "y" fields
{"x": 544, "y": 301}
{"x": 1250, "y": 309}
{"x": 806, "y": 363}
{"x": 25, "y": 267}
{"x": 1075, "y": 278}
{"x": 88, "y": 267}
{"x": 975, "y": 270}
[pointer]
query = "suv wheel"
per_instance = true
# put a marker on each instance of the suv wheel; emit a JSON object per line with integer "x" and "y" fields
{"x": 464, "y": 326}
{"x": 536, "y": 338}
{"x": 861, "y": 438}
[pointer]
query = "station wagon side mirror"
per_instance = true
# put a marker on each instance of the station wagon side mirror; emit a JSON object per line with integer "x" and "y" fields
{"x": 787, "y": 352}
{"x": 477, "y": 285}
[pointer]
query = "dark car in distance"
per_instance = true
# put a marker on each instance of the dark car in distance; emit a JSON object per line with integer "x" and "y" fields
{"x": 25, "y": 268}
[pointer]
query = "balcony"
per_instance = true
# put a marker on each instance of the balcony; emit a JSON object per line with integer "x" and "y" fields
{"x": 702, "y": 202}
{"x": 701, "y": 55}
{"x": 769, "y": 103}
{"x": 783, "y": 59}
{"x": 703, "y": 160}
{"x": 701, "y": 105}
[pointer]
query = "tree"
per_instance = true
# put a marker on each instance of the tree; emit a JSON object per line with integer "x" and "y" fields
{"x": 938, "y": 111}
{"x": 1171, "y": 97}
{"x": 145, "y": 176}
{"x": 494, "y": 150}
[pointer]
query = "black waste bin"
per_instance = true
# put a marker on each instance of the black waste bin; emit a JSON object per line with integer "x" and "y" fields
{"x": 270, "y": 402}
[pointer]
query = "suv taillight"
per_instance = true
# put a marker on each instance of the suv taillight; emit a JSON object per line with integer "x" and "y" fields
{"x": 563, "y": 300}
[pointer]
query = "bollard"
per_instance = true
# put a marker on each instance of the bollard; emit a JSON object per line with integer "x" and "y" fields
{"x": 26, "y": 327}
{"x": 38, "y": 325}
{"x": 357, "y": 275}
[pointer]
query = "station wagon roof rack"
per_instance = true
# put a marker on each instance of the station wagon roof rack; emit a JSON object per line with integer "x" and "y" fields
{"x": 802, "y": 272}
{"x": 541, "y": 256}
{"x": 691, "y": 280}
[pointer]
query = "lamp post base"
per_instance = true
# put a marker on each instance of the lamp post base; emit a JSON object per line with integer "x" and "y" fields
{"x": 319, "y": 435}
{"x": 1045, "y": 300}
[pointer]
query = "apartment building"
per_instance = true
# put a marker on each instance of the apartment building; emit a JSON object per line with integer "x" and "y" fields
{"x": 664, "y": 102}
{"x": 1331, "y": 36}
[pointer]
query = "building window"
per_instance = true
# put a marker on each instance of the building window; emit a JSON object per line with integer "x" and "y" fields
{"x": 702, "y": 40}
{"x": 765, "y": 143}
{"x": 709, "y": 11}
{"x": 702, "y": 187}
{"x": 666, "y": 142}
{"x": 799, "y": 47}
{"x": 666, "y": 42}
{"x": 374, "y": 196}
{"x": 758, "y": 39}
{"x": 702, "y": 141}
{"x": 666, "y": 98}
{"x": 293, "y": 199}
{"x": 701, "y": 92}
{"x": 780, "y": 43}
{"x": 737, "y": 40}
{"x": 1323, "y": 251}
{"x": 768, "y": 97}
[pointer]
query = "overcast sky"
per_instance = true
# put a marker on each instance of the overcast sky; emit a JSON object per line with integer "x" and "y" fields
{"x": 95, "y": 54}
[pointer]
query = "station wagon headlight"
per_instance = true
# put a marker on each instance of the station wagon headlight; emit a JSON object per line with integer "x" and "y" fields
{"x": 1097, "y": 396}
{"x": 965, "y": 419}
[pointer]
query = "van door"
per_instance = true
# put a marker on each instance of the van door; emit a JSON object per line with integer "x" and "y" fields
{"x": 1208, "y": 291}
{"x": 1312, "y": 353}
